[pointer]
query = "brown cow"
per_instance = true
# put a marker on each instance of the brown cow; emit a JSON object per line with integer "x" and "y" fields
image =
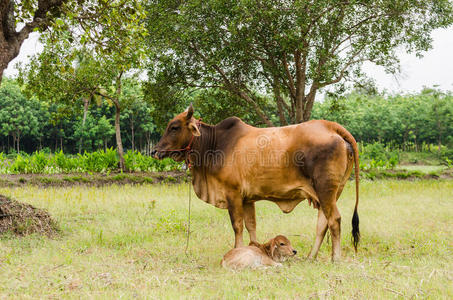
{"x": 235, "y": 164}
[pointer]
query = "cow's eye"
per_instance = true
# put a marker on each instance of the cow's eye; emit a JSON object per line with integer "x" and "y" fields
{"x": 282, "y": 244}
{"x": 174, "y": 128}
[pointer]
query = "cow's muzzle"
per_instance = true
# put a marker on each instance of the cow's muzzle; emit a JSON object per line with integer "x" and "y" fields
{"x": 157, "y": 154}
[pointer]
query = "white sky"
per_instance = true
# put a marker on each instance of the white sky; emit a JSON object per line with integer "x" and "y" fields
{"x": 435, "y": 68}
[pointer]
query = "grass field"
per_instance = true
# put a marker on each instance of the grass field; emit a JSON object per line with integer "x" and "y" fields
{"x": 128, "y": 241}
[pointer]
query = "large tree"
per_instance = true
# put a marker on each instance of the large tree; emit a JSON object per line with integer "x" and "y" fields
{"x": 31, "y": 15}
{"x": 89, "y": 54}
{"x": 288, "y": 49}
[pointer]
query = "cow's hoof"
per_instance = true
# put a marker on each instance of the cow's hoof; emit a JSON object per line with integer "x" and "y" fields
{"x": 336, "y": 259}
{"x": 311, "y": 257}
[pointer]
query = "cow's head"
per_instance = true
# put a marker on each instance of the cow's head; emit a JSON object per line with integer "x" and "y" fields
{"x": 178, "y": 135}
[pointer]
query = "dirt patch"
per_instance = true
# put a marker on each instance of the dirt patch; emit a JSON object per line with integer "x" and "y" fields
{"x": 22, "y": 219}
{"x": 405, "y": 174}
{"x": 46, "y": 180}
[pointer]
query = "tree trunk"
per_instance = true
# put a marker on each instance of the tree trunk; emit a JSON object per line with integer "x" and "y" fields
{"x": 18, "y": 143}
{"x": 258, "y": 110}
{"x": 308, "y": 104}
{"x": 86, "y": 103}
{"x": 132, "y": 134}
{"x": 280, "y": 103}
{"x": 14, "y": 141}
{"x": 10, "y": 40}
{"x": 148, "y": 142}
{"x": 439, "y": 136}
{"x": 119, "y": 143}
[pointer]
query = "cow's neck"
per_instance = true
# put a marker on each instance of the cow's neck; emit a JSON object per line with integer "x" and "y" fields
{"x": 206, "y": 141}
{"x": 211, "y": 148}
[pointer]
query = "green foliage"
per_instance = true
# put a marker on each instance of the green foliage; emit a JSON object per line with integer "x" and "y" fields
{"x": 94, "y": 134}
{"x": 288, "y": 49}
{"x": 377, "y": 156}
{"x": 98, "y": 161}
{"x": 18, "y": 116}
{"x": 215, "y": 104}
{"x": 135, "y": 161}
{"x": 88, "y": 162}
{"x": 403, "y": 121}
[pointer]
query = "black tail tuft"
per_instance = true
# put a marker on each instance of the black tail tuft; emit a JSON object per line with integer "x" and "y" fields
{"x": 355, "y": 229}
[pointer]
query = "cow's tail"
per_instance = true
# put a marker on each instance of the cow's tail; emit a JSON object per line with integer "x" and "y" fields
{"x": 355, "y": 217}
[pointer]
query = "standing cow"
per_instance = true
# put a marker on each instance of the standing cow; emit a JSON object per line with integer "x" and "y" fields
{"x": 235, "y": 164}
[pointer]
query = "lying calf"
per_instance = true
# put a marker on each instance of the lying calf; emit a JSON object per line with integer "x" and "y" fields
{"x": 255, "y": 255}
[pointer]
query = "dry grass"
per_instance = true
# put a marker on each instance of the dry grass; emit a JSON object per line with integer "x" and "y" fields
{"x": 128, "y": 241}
{"x": 22, "y": 219}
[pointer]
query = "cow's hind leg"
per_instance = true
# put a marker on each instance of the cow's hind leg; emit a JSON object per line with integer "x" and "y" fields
{"x": 321, "y": 229}
{"x": 250, "y": 220}
{"x": 333, "y": 217}
{"x": 327, "y": 194}
{"x": 236, "y": 211}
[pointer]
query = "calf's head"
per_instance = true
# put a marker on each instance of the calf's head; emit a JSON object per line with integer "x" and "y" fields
{"x": 178, "y": 135}
{"x": 279, "y": 248}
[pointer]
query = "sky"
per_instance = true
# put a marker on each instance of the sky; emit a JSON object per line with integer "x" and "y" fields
{"x": 434, "y": 69}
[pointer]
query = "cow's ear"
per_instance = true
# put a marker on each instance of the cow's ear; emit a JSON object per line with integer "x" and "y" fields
{"x": 194, "y": 129}
{"x": 189, "y": 111}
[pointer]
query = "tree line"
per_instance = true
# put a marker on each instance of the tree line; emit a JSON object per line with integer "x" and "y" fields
{"x": 405, "y": 122}
{"x": 28, "y": 124}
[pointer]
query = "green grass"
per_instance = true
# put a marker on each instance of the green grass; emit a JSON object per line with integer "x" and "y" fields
{"x": 128, "y": 241}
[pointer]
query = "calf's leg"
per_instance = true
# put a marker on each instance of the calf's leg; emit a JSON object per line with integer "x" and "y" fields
{"x": 250, "y": 220}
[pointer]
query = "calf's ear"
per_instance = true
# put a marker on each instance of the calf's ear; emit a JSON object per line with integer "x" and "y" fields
{"x": 270, "y": 248}
{"x": 194, "y": 129}
{"x": 189, "y": 111}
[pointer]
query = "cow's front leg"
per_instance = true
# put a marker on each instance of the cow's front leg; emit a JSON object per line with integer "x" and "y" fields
{"x": 236, "y": 211}
{"x": 250, "y": 220}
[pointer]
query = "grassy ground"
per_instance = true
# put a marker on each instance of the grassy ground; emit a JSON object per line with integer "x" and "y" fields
{"x": 128, "y": 241}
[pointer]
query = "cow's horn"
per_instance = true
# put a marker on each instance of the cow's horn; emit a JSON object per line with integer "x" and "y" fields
{"x": 189, "y": 112}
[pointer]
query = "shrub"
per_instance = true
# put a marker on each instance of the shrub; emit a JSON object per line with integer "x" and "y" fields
{"x": 41, "y": 162}
{"x": 377, "y": 156}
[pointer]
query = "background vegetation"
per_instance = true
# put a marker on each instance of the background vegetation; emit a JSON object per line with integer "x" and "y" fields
{"x": 388, "y": 128}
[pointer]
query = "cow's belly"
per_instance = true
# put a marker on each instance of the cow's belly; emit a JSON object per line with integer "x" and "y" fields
{"x": 287, "y": 194}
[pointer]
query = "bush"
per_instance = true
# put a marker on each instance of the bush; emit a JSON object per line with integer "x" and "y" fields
{"x": 41, "y": 162}
{"x": 378, "y": 156}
